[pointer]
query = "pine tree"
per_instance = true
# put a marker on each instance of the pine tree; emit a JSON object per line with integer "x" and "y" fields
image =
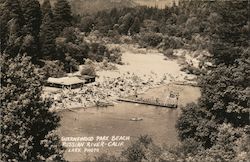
{"x": 229, "y": 35}
{"x": 125, "y": 23}
{"x": 32, "y": 19}
{"x": 62, "y": 15}
{"x": 47, "y": 32}
{"x": 27, "y": 124}
{"x": 32, "y": 16}
{"x": 135, "y": 28}
{"x": 46, "y": 8}
{"x": 11, "y": 22}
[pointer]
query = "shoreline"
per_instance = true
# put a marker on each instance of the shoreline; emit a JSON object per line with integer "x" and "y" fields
{"x": 116, "y": 101}
{"x": 134, "y": 77}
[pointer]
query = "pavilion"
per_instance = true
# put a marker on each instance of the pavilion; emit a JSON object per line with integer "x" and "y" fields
{"x": 65, "y": 82}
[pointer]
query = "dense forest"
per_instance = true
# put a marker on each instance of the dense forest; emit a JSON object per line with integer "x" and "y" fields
{"x": 38, "y": 41}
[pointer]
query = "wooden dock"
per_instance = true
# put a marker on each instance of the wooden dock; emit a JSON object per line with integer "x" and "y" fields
{"x": 149, "y": 102}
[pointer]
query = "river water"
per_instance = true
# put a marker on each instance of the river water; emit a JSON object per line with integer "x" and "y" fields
{"x": 158, "y": 122}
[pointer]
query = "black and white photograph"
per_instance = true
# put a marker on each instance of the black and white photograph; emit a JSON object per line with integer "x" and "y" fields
{"x": 125, "y": 80}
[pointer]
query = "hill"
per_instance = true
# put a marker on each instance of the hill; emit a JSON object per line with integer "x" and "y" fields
{"x": 155, "y": 3}
{"x": 92, "y": 6}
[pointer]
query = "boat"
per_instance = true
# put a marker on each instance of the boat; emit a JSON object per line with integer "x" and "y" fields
{"x": 136, "y": 119}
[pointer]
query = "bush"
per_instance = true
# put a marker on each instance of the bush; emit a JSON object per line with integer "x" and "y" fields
{"x": 107, "y": 158}
{"x": 115, "y": 56}
{"x": 169, "y": 52}
{"x": 194, "y": 123}
{"x": 191, "y": 70}
{"x": 69, "y": 34}
{"x": 172, "y": 42}
{"x": 98, "y": 52}
{"x": 70, "y": 64}
{"x": 88, "y": 68}
{"x": 53, "y": 69}
{"x": 150, "y": 39}
{"x": 142, "y": 149}
{"x": 86, "y": 24}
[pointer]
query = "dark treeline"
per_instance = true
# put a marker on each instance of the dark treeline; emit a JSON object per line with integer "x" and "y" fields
{"x": 47, "y": 34}
{"x": 31, "y": 29}
{"x": 185, "y": 23}
{"x": 27, "y": 124}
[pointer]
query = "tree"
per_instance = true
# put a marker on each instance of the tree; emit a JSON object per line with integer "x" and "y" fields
{"x": 87, "y": 24}
{"x": 32, "y": 20}
{"x": 52, "y": 69}
{"x": 230, "y": 145}
{"x": 196, "y": 123}
{"x": 27, "y": 124}
{"x": 225, "y": 89}
{"x": 11, "y": 22}
{"x": 231, "y": 31}
{"x": 228, "y": 100}
{"x": 151, "y": 39}
{"x": 135, "y": 28}
{"x": 47, "y": 32}
{"x": 62, "y": 15}
{"x": 32, "y": 16}
{"x": 46, "y": 8}
{"x": 70, "y": 64}
{"x": 125, "y": 23}
{"x": 69, "y": 34}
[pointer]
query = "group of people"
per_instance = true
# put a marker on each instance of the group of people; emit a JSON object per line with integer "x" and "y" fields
{"x": 102, "y": 93}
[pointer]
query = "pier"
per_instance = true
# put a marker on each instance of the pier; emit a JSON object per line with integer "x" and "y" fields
{"x": 150, "y": 102}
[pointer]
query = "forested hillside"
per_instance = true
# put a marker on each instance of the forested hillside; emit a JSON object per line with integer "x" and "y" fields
{"x": 92, "y": 6}
{"x": 155, "y": 3}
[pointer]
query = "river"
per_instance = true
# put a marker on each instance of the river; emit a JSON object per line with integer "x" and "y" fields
{"x": 158, "y": 122}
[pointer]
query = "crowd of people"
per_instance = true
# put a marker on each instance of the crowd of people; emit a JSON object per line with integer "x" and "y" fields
{"x": 104, "y": 92}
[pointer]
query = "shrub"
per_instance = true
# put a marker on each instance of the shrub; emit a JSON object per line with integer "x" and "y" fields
{"x": 172, "y": 42}
{"x": 107, "y": 158}
{"x": 115, "y": 56}
{"x": 98, "y": 52}
{"x": 69, "y": 34}
{"x": 70, "y": 64}
{"x": 150, "y": 39}
{"x": 142, "y": 149}
{"x": 53, "y": 69}
{"x": 88, "y": 68}
{"x": 169, "y": 52}
{"x": 194, "y": 123}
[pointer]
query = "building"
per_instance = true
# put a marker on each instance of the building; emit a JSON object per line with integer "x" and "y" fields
{"x": 65, "y": 82}
{"x": 88, "y": 78}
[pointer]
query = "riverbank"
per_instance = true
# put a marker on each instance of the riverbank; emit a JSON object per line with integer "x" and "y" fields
{"x": 157, "y": 122}
{"x": 142, "y": 70}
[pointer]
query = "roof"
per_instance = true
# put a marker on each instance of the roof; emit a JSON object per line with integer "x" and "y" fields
{"x": 65, "y": 80}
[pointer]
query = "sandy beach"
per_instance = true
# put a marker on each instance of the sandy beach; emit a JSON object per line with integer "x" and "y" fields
{"x": 146, "y": 64}
{"x": 142, "y": 69}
